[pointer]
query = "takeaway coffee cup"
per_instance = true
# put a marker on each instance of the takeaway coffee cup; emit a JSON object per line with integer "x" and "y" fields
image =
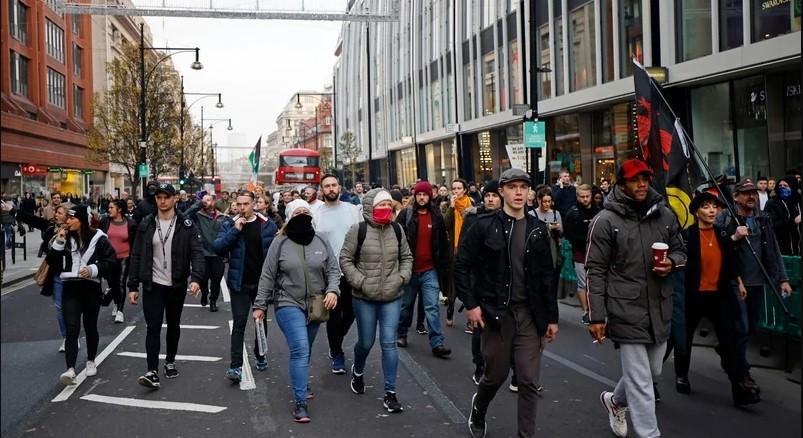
{"x": 659, "y": 250}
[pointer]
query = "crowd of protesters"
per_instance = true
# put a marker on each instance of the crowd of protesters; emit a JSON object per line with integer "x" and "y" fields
{"x": 377, "y": 256}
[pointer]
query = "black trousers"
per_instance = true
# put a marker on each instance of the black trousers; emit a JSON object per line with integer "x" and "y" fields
{"x": 214, "y": 274}
{"x": 160, "y": 302}
{"x": 722, "y": 315}
{"x": 242, "y": 302}
{"x": 81, "y": 301}
{"x": 117, "y": 282}
{"x": 340, "y": 319}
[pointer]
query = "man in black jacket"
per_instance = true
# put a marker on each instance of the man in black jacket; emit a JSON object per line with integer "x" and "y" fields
{"x": 426, "y": 235}
{"x": 503, "y": 274}
{"x": 575, "y": 225}
{"x": 166, "y": 251}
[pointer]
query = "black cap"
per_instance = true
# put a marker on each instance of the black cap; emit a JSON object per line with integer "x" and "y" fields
{"x": 512, "y": 175}
{"x": 491, "y": 186}
{"x": 166, "y": 188}
{"x": 702, "y": 197}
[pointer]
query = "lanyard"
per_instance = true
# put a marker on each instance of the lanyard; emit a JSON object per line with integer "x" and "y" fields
{"x": 164, "y": 239}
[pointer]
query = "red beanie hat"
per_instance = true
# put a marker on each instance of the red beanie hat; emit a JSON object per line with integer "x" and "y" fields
{"x": 422, "y": 186}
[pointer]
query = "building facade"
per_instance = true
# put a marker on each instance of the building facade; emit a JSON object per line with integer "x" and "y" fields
{"x": 46, "y": 85}
{"x": 432, "y": 95}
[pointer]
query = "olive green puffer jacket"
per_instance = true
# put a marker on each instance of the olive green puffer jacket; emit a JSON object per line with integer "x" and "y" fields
{"x": 383, "y": 266}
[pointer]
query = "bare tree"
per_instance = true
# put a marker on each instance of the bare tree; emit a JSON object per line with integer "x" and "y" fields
{"x": 351, "y": 153}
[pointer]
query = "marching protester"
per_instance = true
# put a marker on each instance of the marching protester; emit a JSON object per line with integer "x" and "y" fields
{"x": 577, "y": 219}
{"x": 629, "y": 297}
{"x": 80, "y": 255}
{"x": 554, "y": 223}
{"x": 121, "y": 232}
{"x": 167, "y": 251}
{"x": 425, "y": 230}
{"x": 784, "y": 210}
{"x": 244, "y": 241}
{"x": 332, "y": 221}
{"x": 763, "y": 196}
{"x": 709, "y": 294}
{"x": 376, "y": 261}
{"x": 459, "y": 202}
{"x": 564, "y": 194}
{"x": 49, "y": 212}
{"x": 300, "y": 272}
{"x": 503, "y": 274}
{"x": 208, "y": 220}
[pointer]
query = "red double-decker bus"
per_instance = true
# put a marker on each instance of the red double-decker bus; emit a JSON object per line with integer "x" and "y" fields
{"x": 298, "y": 166}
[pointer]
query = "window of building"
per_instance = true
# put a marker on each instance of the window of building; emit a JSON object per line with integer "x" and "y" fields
{"x": 18, "y": 21}
{"x": 76, "y": 24}
{"x": 468, "y": 14}
{"x": 54, "y": 40}
{"x": 606, "y": 28}
{"x": 468, "y": 86}
{"x": 773, "y": 18}
{"x": 730, "y": 24}
{"x": 694, "y": 28}
{"x": 516, "y": 93}
{"x": 437, "y": 102}
{"x": 488, "y": 12}
{"x": 631, "y": 36}
{"x": 19, "y": 74}
{"x": 488, "y": 83}
{"x": 78, "y": 101}
{"x": 565, "y": 150}
{"x": 582, "y": 51}
{"x": 77, "y": 58}
{"x": 52, "y": 5}
{"x": 712, "y": 129}
{"x": 56, "y": 88}
{"x": 750, "y": 110}
{"x": 543, "y": 54}
{"x": 502, "y": 72}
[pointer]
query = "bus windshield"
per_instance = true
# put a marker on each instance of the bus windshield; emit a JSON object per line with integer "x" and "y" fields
{"x": 298, "y": 161}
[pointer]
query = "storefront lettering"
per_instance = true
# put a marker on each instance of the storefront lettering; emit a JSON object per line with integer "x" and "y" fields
{"x": 769, "y": 4}
{"x": 793, "y": 90}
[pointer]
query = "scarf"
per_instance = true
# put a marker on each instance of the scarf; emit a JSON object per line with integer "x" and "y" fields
{"x": 299, "y": 229}
{"x": 459, "y": 206}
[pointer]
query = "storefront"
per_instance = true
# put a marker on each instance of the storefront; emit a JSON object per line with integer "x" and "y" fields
{"x": 440, "y": 161}
{"x": 405, "y": 170}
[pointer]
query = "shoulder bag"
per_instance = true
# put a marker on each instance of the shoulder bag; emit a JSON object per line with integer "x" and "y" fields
{"x": 316, "y": 310}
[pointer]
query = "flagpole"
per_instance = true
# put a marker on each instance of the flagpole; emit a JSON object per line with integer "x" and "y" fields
{"x": 728, "y": 202}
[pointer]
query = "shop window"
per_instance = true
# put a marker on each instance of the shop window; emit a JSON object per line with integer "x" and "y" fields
{"x": 750, "y": 102}
{"x": 582, "y": 52}
{"x": 489, "y": 83}
{"x": 730, "y": 24}
{"x": 694, "y": 28}
{"x": 773, "y": 18}
{"x": 485, "y": 161}
{"x": 711, "y": 127}
{"x": 606, "y": 27}
{"x": 631, "y": 36}
{"x": 565, "y": 150}
{"x": 406, "y": 169}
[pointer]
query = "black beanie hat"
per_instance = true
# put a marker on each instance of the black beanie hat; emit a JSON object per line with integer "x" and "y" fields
{"x": 80, "y": 212}
{"x": 491, "y": 186}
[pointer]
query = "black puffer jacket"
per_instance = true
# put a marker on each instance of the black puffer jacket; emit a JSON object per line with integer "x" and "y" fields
{"x": 482, "y": 270}
{"x": 622, "y": 288}
{"x": 783, "y": 213}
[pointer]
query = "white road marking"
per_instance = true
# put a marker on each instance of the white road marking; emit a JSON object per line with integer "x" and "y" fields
{"x": 154, "y": 404}
{"x": 18, "y": 286}
{"x": 224, "y": 289}
{"x": 247, "y": 382}
{"x": 192, "y": 305}
{"x": 196, "y": 327}
{"x": 67, "y": 392}
{"x": 178, "y": 356}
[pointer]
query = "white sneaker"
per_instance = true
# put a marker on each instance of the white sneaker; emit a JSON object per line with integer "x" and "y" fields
{"x": 62, "y": 349}
{"x": 79, "y": 343}
{"x": 91, "y": 369}
{"x": 617, "y": 416}
{"x": 119, "y": 318}
{"x": 68, "y": 377}
{"x": 114, "y": 310}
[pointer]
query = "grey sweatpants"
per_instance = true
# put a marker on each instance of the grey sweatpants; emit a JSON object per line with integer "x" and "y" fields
{"x": 641, "y": 364}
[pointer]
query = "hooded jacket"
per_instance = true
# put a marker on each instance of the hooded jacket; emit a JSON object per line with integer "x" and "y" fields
{"x": 230, "y": 243}
{"x": 622, "y": 287}
{"x": 383, "y": 266}
{"x": 783, "y": 213}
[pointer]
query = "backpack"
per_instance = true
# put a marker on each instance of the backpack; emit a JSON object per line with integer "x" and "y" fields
{"x": 363, "y": 230}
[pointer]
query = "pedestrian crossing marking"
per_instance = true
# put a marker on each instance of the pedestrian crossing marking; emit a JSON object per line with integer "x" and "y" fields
{"x": 181, "y": 357}
{"x": 196, "y": 327}
{"x": 69, "y": 390}
{"x": 247, "y": 382}
{"x": 154, "y": 404}
{"x": 224, "y": 289}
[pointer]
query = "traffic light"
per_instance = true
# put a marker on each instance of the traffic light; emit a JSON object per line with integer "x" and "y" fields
{"x": 181, "y": 177}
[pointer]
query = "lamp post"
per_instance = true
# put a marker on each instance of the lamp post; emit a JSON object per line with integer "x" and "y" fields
{"x": 535, "y": 70}
{"x": 211, "y": 145}
{"x": 143, "y": 132}
{"x": 326, "y": 102}
{"x": 182, "y": 169}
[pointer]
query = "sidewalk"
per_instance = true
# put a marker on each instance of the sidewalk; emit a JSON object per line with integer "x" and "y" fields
{"x": 23, "y": 269}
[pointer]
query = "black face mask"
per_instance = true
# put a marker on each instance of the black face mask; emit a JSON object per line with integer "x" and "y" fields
{"x": 300, "y": 230}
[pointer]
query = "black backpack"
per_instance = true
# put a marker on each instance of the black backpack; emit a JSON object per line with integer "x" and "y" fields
{"x": 363, "y": 230}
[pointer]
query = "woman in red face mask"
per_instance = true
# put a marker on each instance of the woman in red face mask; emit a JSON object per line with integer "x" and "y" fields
{"x": 377, "y": 262}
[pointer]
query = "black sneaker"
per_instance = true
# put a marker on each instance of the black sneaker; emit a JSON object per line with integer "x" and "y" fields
{"x": 170, "y": 371}
{"x": 213, "y": 306}
{"x": 300, "y": 413}
{"x": 478, "y": 372}
{"x": 657, "y": 394}
{"x": 421, "y": 330}
{"x": 357, "y": 382}
{"x": 476, "y": 420}
{"x": 442, "y": 351}
{"x": 204, "y": 301}
{"x": 584, "y": 320}
{"x": 150, "y": 380}
{"x": 391, "y": 403}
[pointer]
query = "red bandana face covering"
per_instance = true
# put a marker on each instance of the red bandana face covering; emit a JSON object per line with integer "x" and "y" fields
{"x": 383, "y": 216}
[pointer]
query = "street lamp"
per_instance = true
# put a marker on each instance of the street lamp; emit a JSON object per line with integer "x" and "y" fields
{"x": 143, "y": 133}
{"x": 326, "y": 102}
{"x": 211, "y": 126}
{"x": 219, "y": 104}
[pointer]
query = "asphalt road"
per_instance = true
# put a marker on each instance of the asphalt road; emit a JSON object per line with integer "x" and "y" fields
{"x": 435, "y": 393}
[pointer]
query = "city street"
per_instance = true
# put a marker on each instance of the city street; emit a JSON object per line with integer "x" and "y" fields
{"x": 435, "y": 393}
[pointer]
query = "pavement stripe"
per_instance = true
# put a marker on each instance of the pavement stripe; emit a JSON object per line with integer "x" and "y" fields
{"x": 192, "y": 305}
{"x": 224, "y": 289}
{"x": 247, "y": 383}
{"x": 15, "y": 287}
{"x": 67, "y": 391}
{"x": 432, "y": 389}
{"x": 196, "y": 327}
{"x": 178, "y": 357}
{"x": 579, "y": 368}
{"x": 154, "y": 404}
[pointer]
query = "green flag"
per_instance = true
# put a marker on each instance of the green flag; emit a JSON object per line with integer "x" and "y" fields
{"x": 253, "y": 159}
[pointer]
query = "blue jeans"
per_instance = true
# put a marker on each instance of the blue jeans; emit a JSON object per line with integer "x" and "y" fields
{"x": 58, "y": 292}
{"x": 292, "y": 322}
{"x": 386, "y": 314}
{"x": 427, "y": 282}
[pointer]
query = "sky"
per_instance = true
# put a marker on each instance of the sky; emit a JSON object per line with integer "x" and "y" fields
{"x": 257, "y": 65}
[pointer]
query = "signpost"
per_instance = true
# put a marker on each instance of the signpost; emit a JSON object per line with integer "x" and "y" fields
{"x": 143, "y": 170}
{"x": 535, "y": 134}
{"x": 517, "y": 154}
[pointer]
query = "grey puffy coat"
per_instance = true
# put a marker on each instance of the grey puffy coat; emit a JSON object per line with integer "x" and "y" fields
{"x": 621, "y": 284}
{"x": 382, "y": 269}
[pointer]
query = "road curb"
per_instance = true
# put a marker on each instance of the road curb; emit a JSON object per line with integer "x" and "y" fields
{"x": 16, "y": 280}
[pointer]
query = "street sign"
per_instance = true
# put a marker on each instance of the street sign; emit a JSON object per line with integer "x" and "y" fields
{"x": 519, "y": 109}
{"x": 453, "y": 127}
{"x": 535, "y": 134}
{"x": 143, "y": 170}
